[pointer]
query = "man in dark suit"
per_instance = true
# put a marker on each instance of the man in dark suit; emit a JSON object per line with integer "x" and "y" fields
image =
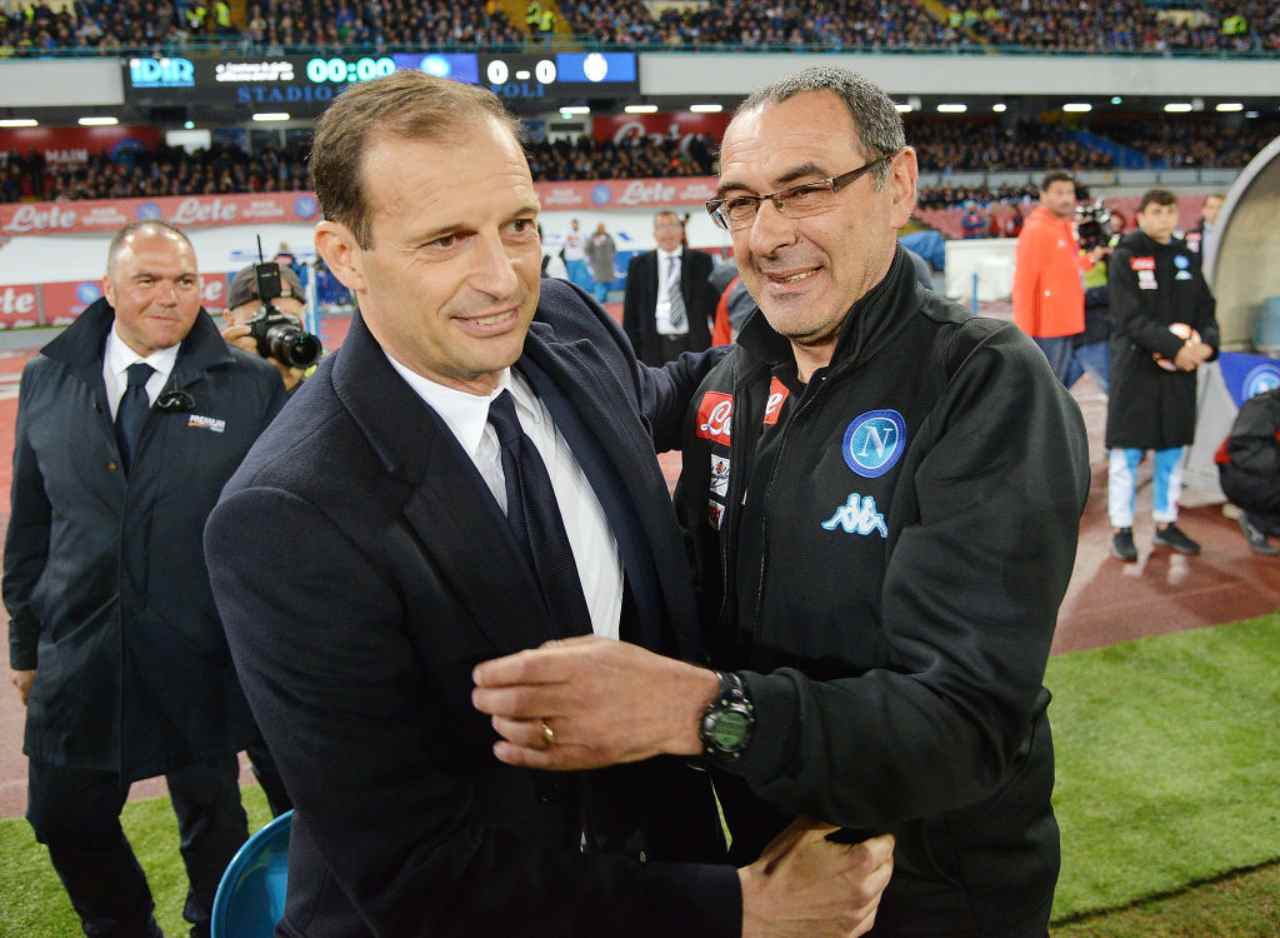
{"x": 473, "y": 474}
{"x": 668, "y": 304}
{"x": 129, "y": 424}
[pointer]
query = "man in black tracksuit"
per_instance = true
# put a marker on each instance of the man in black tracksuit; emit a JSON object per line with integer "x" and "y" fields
{"x": 882, "y": 498}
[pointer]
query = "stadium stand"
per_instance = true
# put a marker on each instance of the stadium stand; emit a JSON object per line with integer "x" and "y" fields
{"x": 1214, "y": 26}
{"x": 945, "y": 146}
{"x": 984, "y": 145}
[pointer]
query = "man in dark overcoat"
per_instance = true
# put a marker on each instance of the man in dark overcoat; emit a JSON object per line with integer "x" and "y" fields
{"x": 129, "y": 424}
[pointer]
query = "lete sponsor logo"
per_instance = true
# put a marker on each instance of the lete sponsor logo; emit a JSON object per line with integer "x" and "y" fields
{"x": 715, "y": 417}
{"x": 47, "y": 216}
{"x": 647, "y": 193}
{"x": 196, "y": 211}
{"x": 778, "y": 393}
{"x": 213, "y": 291}
{"x": 19, "y": 306}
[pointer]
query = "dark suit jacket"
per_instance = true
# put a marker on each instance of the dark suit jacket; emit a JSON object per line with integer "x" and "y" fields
{"x": 363, "y": 569}
{"x": 641, "y": 298}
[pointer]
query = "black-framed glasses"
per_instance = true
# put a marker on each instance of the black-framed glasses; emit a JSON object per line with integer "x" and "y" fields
{"x": 809, "y": 198}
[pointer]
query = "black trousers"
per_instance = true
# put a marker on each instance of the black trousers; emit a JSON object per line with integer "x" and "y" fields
{"x": 268, "y": 776}
{"x": 76, "y": 814}
{"x": 670, "y": 346}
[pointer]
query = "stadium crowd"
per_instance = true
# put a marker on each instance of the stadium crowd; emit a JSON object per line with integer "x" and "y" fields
{"x": 163, "y": 172}
{"x": 985, "y": 145}
{"x": 639, "y": 158}
{"x": 945, "y": 146}
{"x": 1194, "y": 142}
{"x": 1216, "y": 26}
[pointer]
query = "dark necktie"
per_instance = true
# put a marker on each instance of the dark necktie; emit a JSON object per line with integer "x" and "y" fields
{"x": 535, "y": 520}
{"x": 676, "y": 297}
{"x": 132, "y": 415}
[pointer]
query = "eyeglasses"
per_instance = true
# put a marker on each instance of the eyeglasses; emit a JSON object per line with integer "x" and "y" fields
{"x": 810, "y": 198}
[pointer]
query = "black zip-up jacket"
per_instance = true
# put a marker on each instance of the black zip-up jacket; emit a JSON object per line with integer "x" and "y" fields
{"x": 1249, "y": 458}
{"x": 882, "y": 554}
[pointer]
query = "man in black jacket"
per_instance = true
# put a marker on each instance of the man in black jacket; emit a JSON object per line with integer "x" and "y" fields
{"x": 1249, "y": 470}
{"x": 129, "y": 424}
{"x": 882, "y": 496}
{"x": 1163, "y": 328}
{"x": 668, "y": 303}
{"x": 473, "y": 473}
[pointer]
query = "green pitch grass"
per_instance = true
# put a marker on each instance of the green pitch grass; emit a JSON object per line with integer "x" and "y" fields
{"x": 1168, "y": 772}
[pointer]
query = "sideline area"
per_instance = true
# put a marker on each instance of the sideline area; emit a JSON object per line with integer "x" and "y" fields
{"x": 1168, "y": 747}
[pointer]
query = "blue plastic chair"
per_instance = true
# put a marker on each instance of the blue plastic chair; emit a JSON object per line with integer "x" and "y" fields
{"x": 250, "y": 897}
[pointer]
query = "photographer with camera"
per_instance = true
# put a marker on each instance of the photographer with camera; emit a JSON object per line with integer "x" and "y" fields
{"x": 1094, "y": 232}
{"x": 264, "y": 314}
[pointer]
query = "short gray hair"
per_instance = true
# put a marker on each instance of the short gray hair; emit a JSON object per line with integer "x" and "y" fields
{"x": 875, "y": 117}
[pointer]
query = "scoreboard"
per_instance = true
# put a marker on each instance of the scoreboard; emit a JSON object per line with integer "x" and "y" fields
{"x": 303, "y": 86}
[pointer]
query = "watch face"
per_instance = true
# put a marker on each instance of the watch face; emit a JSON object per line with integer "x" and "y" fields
{"x": 730, "y": 730}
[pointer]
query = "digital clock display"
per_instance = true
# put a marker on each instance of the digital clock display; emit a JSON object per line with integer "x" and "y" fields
{"x": 338, "y": 71}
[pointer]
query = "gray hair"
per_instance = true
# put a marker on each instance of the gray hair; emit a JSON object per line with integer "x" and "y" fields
{"x": 876, "y": 120}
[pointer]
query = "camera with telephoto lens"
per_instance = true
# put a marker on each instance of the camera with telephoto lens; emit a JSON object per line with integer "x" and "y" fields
{"x": 280, "y": 336}
{"x": 1093, "y": 225}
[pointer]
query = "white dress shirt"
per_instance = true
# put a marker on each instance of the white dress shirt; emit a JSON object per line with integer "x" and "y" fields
{"x": 595, "y": 550}
{"x": 115, "y": 366}
{"x": 668, "y": 273}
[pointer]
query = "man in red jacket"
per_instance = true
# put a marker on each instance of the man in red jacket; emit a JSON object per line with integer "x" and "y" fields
{"x": 1048, "y": 286}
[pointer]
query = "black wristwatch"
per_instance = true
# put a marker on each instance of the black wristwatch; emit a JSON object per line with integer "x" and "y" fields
{"x": 729, "y": 720}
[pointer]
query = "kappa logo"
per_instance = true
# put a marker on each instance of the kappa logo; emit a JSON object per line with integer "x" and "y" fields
{"x": 1260, "y": 380}
{"x": 874, "y": 442}
{"x": 778, "y": 393}
{"x": 857, "y": 515}
{"x": 715, "y": 418}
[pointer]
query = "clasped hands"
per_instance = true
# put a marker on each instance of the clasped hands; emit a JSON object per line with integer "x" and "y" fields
{"x": 588, "y": 702}
{"x": 603, "y": 702}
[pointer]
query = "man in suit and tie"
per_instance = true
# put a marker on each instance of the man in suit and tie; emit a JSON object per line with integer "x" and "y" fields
{"x": 668, "y": 304}
{"x": 129, "y": 424}
{"x": 473, "y": 474}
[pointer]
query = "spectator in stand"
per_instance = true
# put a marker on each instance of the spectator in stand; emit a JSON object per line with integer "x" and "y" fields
{"x": 974, "y": 222}
{"x": 1048, "y": 294}
{"x": 1054, "y": 25}
{"x": 1011, "y": 226}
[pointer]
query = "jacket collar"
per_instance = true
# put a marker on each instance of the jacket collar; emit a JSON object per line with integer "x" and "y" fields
{"x": 80, "y": 346}
{"x": 1040, "y": 215}
{"x": 868, "y": 326}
